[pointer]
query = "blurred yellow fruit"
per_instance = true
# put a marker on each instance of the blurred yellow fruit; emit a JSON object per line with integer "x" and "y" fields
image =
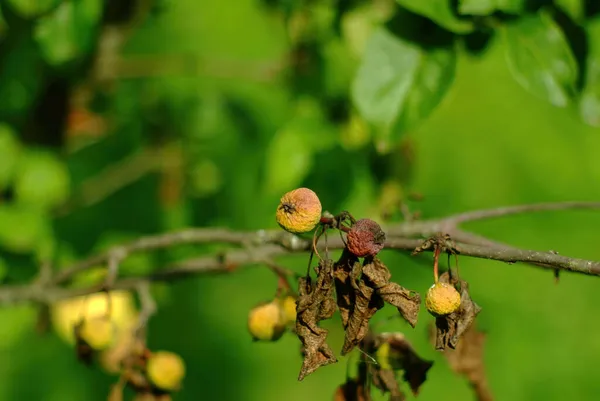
{"x": 67, "y": 313}
{"x": 165, "y": 370}
{"x": 97, "y": 332}
{"x": 289, "y": 309}
{"x": 266, "y": 322}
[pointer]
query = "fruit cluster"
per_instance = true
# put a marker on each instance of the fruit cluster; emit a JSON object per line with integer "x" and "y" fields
{"x": 103, "y": 331}
{"x": 356, "y": 289}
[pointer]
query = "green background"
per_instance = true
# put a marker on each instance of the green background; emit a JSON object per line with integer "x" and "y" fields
{"x": 489, "y": 143}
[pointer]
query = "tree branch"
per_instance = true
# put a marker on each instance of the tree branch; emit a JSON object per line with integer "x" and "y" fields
{"x": 519, "y": 209}
{"x": 261, "y": 247}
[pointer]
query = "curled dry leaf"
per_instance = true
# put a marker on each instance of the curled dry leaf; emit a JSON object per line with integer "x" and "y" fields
{"x": 467, "y": 360}
{"x": 352, "y": 390}
{"x": 116, "y": 392}
{"x": 399, "y": 354}
{"x": 451, "y": 327}
{"x": 344, "y": 289}
{"x": 386, "y": 381}
{"x": 367, "y": 303}
{"x": 407, "y": 302}
{"x": 363, "y": 290}
{"x": 315, "y": 303}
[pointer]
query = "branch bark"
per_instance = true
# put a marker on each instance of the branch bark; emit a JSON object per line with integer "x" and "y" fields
{"x": 261, "y": 247}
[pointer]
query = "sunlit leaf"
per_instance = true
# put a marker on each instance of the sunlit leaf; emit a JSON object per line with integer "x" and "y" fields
{"x": 574, "y": 8}
{"x": 548, "y": 71}
{"x": 32, "y": 8}
{"x": 438, "y": 11}
{"x": 399, "y": 84}
{"x": 18, "y": 321}
{"x": 589, "y": 104}
{"x": 10, "y": 149}
{"x": 357, "y": 25}
{"x": 42, "y": 180}
{"x": 21, "y": 228}
{"x": 68, "y": 32}
{"x": 486, "y": 7}
{"x": 291, "y": 151}
{"x": 289, "y": 159}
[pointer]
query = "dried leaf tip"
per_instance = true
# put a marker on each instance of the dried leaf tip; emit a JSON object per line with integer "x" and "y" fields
{"x": 315, "y": 303}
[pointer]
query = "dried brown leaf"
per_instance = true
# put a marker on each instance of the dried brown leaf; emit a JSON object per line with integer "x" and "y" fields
{"x": 342, "y": 272}
{"x": 367, "y": 303}
{"x": 352, "y": 390}
{"x": 315, "y": 303}
{"x": 116, "y": 392}
{"x": 450, "y": 328}
{"x": 386, "y": 381}
{"x": 144, "y": 397}
{"x": 467, "y": 360}
{"x": 402, "y": 356}
{"x": 407, "y": 302}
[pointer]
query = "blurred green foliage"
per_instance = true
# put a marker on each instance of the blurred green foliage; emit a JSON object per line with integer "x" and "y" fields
{"x": 122, "y": 118}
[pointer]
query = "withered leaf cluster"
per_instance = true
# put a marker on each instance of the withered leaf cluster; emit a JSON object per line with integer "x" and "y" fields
{"x": 384, "y": 375}
{"x": 403, "y": 357}
{"x": 358, "y": 291}
{"x": 362, "y": 290}
{"x": 315, "y": 303}
{"x": 450, "y": 328}
{"x": 468, "y": 360}
{"x": 352, "y": 390}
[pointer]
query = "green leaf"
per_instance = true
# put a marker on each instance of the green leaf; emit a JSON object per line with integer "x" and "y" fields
{"x": 17, "y": 322}
{"x": 289, "y": 159}
{"x": 487, "y": 7}
{"x": 42, "y": 180}
{"x": 574, "y": 8}
{"x": 3, "y": 269}
{"x": 589, "y": 103}
{"x": 399, "y": 84}
{"x": 22, "y": 229}
{"x": 20, "y": 77}
{"x": 32, "y": 8}
{"x": 438, "y": 11}
{"x": 10, "y": 148}
{"x": 68, "y": 33}
{"x": 3, "y": 25}
{"x": 540, "y": 59}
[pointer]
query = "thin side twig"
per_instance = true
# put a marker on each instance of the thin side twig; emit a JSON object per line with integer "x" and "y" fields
{"x": 519, "y": 209}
